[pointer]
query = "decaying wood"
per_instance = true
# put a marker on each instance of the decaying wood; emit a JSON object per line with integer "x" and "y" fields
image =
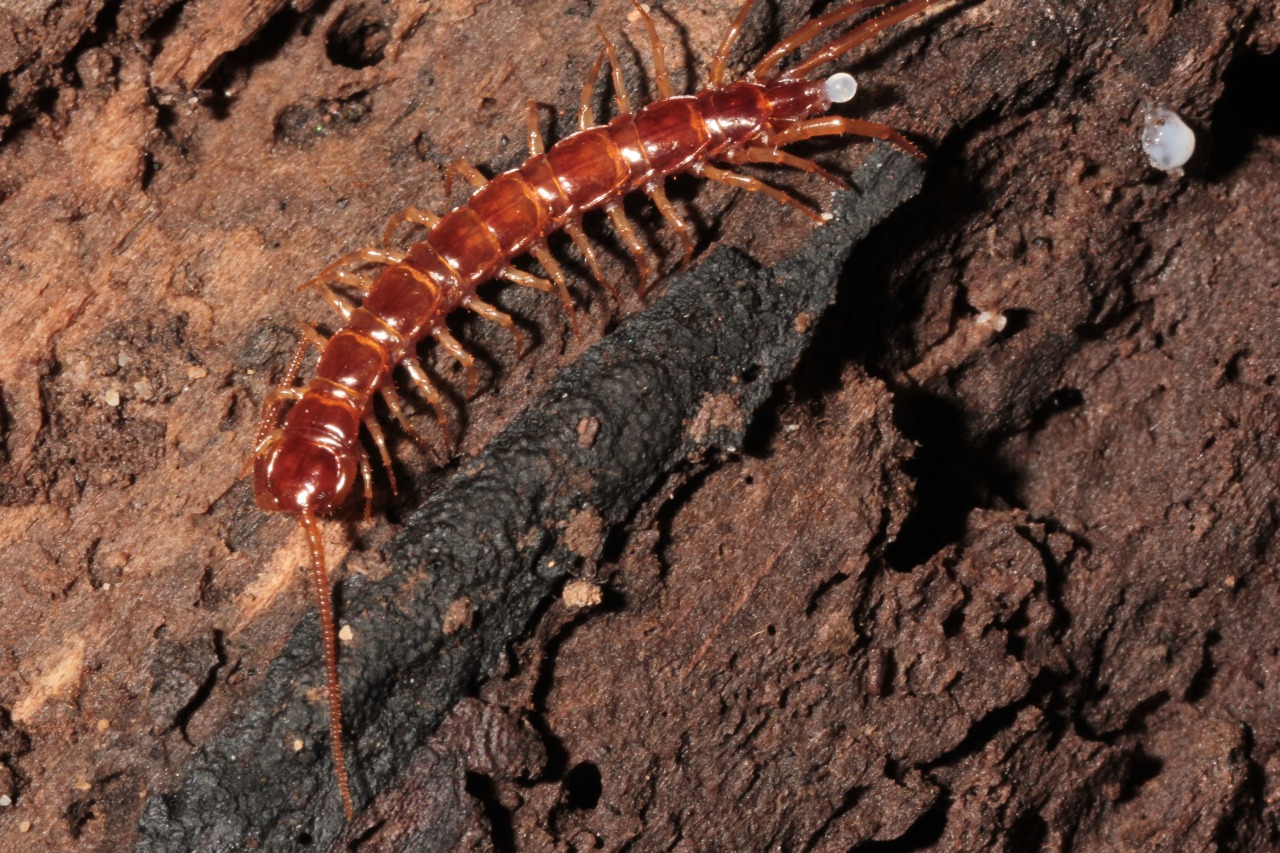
{"x": 995, "y": 567}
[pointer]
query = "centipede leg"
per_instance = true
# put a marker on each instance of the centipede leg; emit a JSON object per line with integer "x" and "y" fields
{"x": 620, "y": 96}
{"x": 369, "y": 255}
{"x": 587, "y": 113}
{"x": 720, "y": 61}
{"x": 366, "y": 481}
{"x": 472, "y": 175}
{"x": 276, "y": 398}
{"x": 380, "y": 441}
{"x": 579, "y": 238}
{"x": 845, "y": 126}
{"x": 267, "y": 426}
{"x": 627, "y": 232}
{"x": 536, "y": 145}
{"x": 659, "y": 197}
{"x": 750, "y": 184}
{"x": 342, "y": 306}
{"x": 455, "y": 349}
{"x": 283, "y": 392}
{"x": 773, "y": 156}
{"x": 362, "y": 283}
{"x": 659, "y": 53}
{"x": 502, "y": 318}
{"x": 427, "y": 389}
{"x": 525, "y": 279}
{"x": 863, "y": 32}
{"x": 425, "y": 218}
{"x": 807, "y": 33}
{"x": 392, "y": 399}
{"x": 544, "y": 257}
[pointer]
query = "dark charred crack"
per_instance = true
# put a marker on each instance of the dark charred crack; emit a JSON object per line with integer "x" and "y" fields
{"x": 203, "y": 692}
{"x": 485, "y": 791}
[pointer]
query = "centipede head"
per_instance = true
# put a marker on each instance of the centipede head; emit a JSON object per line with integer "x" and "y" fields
{"x": 296, "y": 475}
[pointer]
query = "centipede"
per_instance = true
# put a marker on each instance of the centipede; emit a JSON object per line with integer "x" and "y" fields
{"x": 309, "y": 449}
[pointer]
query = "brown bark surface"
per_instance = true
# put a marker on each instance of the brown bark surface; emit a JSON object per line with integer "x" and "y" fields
{"x": 995, "y": 568}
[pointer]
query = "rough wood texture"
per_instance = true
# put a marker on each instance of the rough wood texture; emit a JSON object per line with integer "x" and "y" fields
{"x": 958, "y": 588}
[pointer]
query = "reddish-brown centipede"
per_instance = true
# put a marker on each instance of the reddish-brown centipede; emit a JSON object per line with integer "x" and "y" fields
{"x": 306, "y": 465}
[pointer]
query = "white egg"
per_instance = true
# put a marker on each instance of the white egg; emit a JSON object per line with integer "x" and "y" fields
{"x": 1166, "y": 138}
{"x": 841, "y": 88}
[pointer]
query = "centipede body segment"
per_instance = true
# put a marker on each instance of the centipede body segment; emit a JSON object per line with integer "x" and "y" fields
{"x": 306, "y": 463}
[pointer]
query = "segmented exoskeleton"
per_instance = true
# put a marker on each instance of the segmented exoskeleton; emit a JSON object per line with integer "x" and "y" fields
{"x": 307, "y": 465}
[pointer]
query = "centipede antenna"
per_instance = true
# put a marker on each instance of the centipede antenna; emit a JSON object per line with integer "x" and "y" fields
{"x": 329, "y": 642}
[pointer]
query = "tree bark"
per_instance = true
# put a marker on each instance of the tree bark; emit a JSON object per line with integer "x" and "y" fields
{"x": 989, "y": 566}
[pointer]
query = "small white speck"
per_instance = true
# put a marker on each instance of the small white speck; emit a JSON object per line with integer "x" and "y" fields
{"x": 995, "y": 321}
{"x": 1166, "y": 139}
{"x": 345, "y": 634}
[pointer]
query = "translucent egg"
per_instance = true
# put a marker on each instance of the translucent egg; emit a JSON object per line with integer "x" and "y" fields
{"x": 841, "y": 88}
{"x": 1166, "y": 138}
